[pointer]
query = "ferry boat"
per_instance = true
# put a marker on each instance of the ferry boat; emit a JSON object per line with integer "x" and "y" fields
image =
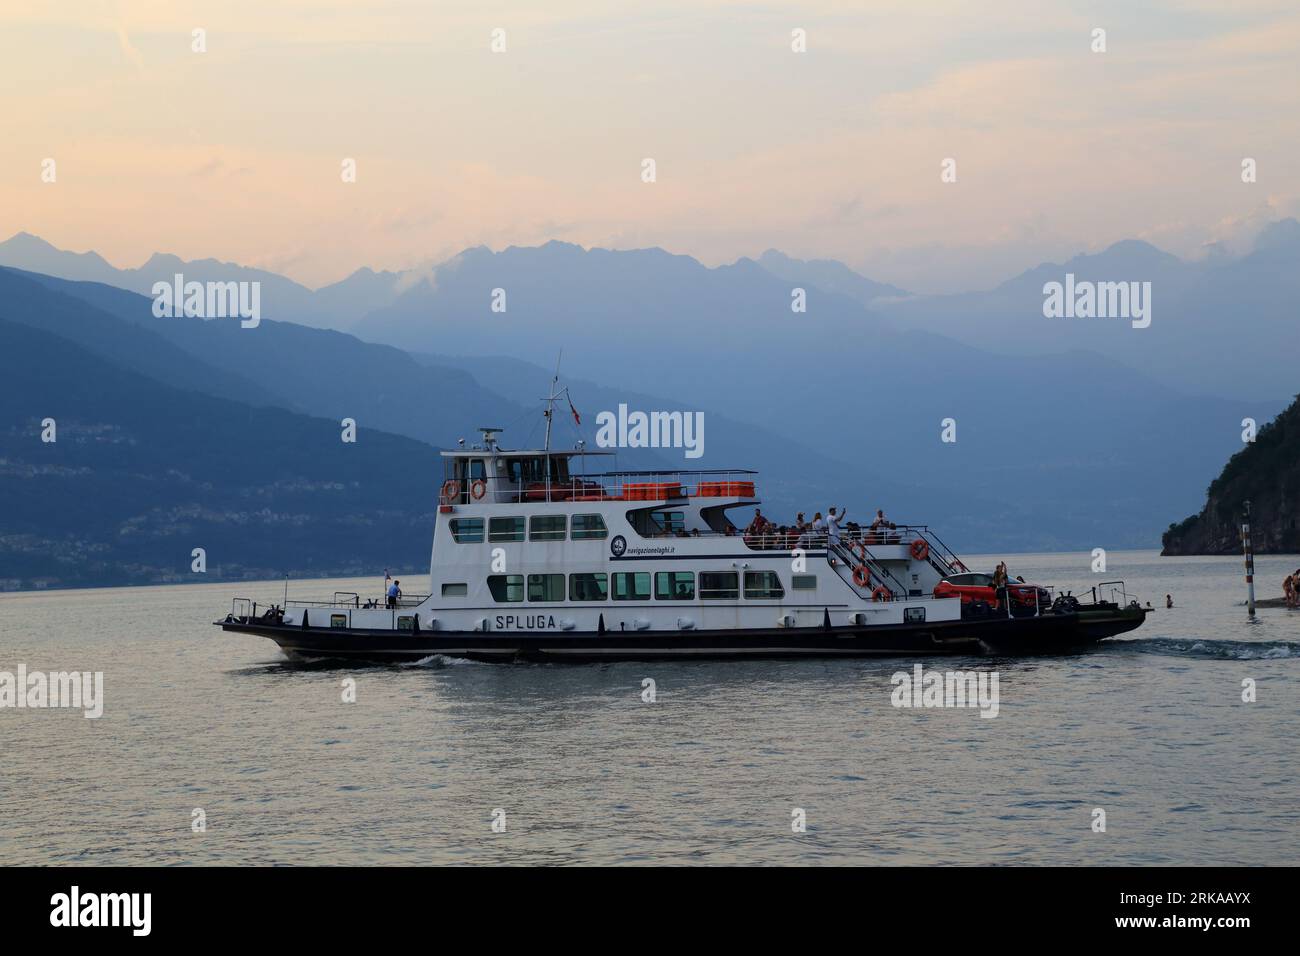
{"x": 540, "y": 555}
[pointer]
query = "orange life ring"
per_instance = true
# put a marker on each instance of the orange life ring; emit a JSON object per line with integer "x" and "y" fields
{"x": 861, "y": 577}
{"x": 450, "y": 489}
{"x": 862, "y": 550}
{"x": 920, "y": 549}
{"x": 478, "y": 489}
{"x": 881, "y": 594}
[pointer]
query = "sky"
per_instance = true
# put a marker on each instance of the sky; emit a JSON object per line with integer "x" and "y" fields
{"x": 237, "y": 152}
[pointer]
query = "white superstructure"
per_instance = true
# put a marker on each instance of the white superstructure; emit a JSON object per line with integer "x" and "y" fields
{"x": 544, "y": 541}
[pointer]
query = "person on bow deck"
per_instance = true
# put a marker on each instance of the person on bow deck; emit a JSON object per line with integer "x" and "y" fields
{"x": 394, "y": 593}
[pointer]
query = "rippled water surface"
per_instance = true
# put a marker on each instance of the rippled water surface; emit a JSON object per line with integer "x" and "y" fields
{"x": 1151, "y": 728}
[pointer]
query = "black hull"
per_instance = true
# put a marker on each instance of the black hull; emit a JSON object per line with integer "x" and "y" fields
{"x": 1048, "y": 634}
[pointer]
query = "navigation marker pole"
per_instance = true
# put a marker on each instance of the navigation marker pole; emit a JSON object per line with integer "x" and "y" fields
{"x": 1249, "y": 552}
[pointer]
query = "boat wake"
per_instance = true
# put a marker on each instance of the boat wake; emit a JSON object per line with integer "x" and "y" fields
{"x": 438, "y": 661}
{"x": 1208, "y": 650}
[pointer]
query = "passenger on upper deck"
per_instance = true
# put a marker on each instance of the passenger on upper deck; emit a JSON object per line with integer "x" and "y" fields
{"x": 833, "y": 525}
{"x": 759, "y": 525}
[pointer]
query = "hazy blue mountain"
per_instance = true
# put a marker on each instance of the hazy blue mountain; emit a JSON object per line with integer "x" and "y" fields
{"x": 794, "y": 476}
{"x": 1076, "y": 448}
{"x": 297, "y": 367}
{"x": 29, "y": 299}
{"x": 142, "y": 473}
{"x": 1221, "y": 326}
{"x": 342, "y": 304}
{"x": 830, "y": 276}
{"x": 441, "y": 399}
{"x": 1064, "y": 438}
{"x": 334, "y": 306}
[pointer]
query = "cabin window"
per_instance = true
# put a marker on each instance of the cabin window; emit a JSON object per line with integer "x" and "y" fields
{"x": 765, "y": 585}
{"x": 719, "y": 585}
{"x": 675, "y": 585}
{"x": 588, "y": 526}
{"x": 668, "y": 522}
{"x": 467, "y": 530}
{"x": 477, "y": 469}
{"x": 406, "y": 622}
{"x": 338, "y": 620}
{"x": 455, "y": 590}
{"x": 588, "y": 587}
{"x": 631, "y": 585}
{"x": 546, "y": 587}
{"x": 505, "y": 529}
{"x": 506, "y": 587}
{"x": 546, "y": 528}
{"x": 804, "y": 582}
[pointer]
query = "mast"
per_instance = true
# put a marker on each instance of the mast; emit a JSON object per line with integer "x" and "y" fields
{"x": 550, "y": 417}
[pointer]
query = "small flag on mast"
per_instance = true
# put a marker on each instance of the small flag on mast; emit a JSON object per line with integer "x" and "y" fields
{"x": 576, "y": 417}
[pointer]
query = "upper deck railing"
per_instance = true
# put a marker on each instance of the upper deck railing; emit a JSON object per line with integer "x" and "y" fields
{"x": 646, "y": 486}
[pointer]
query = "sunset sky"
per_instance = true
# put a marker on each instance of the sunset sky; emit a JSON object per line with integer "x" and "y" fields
{"x": 236, "y": 153}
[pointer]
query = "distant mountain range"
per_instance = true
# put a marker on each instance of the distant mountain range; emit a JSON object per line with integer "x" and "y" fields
{"x": 141, "y": 473}
{"x": 1064, "y": 440}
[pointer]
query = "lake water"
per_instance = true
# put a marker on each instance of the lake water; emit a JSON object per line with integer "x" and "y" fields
{"x": 1151, "y": 728}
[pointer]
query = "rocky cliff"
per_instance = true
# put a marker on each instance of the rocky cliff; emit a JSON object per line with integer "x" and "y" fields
{"x": 1265, "y": 472}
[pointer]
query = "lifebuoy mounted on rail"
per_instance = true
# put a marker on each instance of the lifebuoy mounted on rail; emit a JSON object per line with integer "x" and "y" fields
{"x": 478, "y": 489}
{"x": 862, "y": 577}
{"x": 920, "y": 549}
{"x": 881, "y": 593}
{"x": 450, "y": 490}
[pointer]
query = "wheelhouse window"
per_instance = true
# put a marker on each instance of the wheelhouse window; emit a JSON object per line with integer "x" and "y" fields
{"x": 631, "y": 585}
{"x": 505, "y": 529}
{"x": 466, "y": 530}
{"x": 804, "y": 582}
{"x": 588, "y": 587}
{"x": 455, "y": 590}
{"x": 588, "y": 526}
{"x": 764, "y": 585}
{"x": 506, "y": 587}
{"x": 524, "y": 471}
{"x": 546, "y": 528}
{"x": 546, "y": 587}
{"x": 719, "y": 585}
{"x": 675, "y": 585}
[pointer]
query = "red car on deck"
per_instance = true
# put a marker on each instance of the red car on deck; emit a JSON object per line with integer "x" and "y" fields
{"x": 974, "y": 586}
